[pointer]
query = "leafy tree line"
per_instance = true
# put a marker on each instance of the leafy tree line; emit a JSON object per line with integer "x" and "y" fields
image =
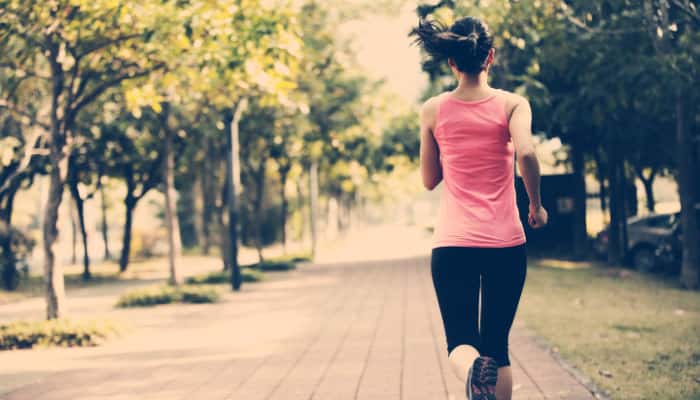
{"x": 210, "y": 102}
{"x": 615, "y": 80}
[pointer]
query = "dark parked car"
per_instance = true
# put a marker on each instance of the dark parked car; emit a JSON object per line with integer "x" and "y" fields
{"x": 645, "y": 234}
{"x": 669, "y": 253}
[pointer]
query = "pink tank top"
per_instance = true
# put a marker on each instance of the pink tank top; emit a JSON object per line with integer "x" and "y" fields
{"x": 477, "y": 205}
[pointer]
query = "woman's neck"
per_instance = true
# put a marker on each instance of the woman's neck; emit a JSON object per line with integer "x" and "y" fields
{"x": 472, "y": 87}
{"x": 472, "y": 83}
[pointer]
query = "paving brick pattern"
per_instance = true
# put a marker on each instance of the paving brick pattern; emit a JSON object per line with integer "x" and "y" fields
{"x": 364, "y": 331}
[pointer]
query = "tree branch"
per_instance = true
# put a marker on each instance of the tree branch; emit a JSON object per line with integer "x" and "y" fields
{"x": 73, "y": 75}
{"x": 685, "y": 7}
{"x": 94, "y": 46}
{"x": 24, "y": 162}
{"x": 4, "y": 104}
{"x": 153, "y": 178}
{"x": 99, "y": 89}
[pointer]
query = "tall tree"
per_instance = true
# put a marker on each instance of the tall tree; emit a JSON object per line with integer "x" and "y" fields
{"x": 250, "y": 51}
{"x": 83, "y": 48}
{"x": 132, "y": 152}
{"x": 674, "y": 26}
{"x": 83, "y": 184}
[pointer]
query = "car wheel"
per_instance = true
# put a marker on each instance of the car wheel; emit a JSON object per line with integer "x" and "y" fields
{"x": 643, "y": 259}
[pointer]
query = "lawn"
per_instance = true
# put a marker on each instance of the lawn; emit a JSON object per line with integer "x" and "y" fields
{"x": 34, "y": 285}
{"x": 103, "y": 272}
{"x": 636, "y": 336}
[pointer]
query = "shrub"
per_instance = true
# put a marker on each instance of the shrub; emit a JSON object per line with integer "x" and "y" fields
{"x": 199, "y": 296}
{"x": 15, "y": 247}
{"x": 145, "y": 297}
{"x": 270, "y": 265}
{"x": 65, "y": 333}
{"x": 294, "y": 257}
{"x": 219, "y": 277}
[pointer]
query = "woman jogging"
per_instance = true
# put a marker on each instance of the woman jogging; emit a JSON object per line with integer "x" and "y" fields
{"x": 468, "y": 139}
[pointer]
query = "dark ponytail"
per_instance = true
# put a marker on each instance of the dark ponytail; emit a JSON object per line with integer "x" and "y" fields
{"x": 467, "y": 42}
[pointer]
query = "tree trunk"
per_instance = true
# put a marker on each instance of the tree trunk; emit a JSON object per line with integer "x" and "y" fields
{"x": 649, "y": 191}
{"x": 171, "y": 223}
{"x": 80, "y": 209}
{"x": 600, "y": 175}
{"x": 208, "y": 198}
{"x": 198, "y": 210}
{"x": 623, "y": 187}
{"x": 187, "y": 214}
{"x": 617, "y": 214}
{"x": 233, "y": 182}
{"x": 206, "y": 216}
{"x": 648, "y": 183}
{"x": 222, "y": 215}
{"x": 687, "y": 185}
{"x": 73, "y": 232}
{"x": 339, "y": 213}
{"x": 259, "y": 199}
{"x": 53, "y": 271}
{"x": 301, "y": 206}
{"x": 130, "y": 204}
{"x": 9, "y": 268}
{"x": 104, "y": 227}
{"x": 7, "y": 205}
{"x": 313, "y": 205}
{"x": 285, "y": 206}
{"x": 580, "y": 233}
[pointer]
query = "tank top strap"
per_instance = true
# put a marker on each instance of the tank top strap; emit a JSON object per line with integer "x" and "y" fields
{"x": 439, "y": 107}
{"x": 441, "y": 99}
{"x": 503, "y": 102}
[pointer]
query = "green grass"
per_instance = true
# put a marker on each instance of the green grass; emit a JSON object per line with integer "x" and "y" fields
{"x": 642, "y": 329}
{"x": 272, "y": 266}
{"x": 64, "y": 333}
{"x": 220, "y": 277}
{"x": 281, "y": 263}
{"x": 151, "y": 296}
{"x": 33, "y": 286}
{"x": 293, "y": 257}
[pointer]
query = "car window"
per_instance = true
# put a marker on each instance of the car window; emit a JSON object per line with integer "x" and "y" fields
{"x": 660, "y": 221}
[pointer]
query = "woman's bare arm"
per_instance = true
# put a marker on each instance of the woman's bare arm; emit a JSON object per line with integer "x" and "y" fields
{"x": 520, "y": 126}
{"x": 430, "y": 167}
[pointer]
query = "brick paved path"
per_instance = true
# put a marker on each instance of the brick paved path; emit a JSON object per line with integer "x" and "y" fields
{"x": 366, "y": 331}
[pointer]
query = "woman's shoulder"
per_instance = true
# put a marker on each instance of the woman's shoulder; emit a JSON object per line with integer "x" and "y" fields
{"x": 509, "y": 96}
{"x": 432, "y": 102}
{"x": 430, "y": 106}
{"x": 510, "y": 100}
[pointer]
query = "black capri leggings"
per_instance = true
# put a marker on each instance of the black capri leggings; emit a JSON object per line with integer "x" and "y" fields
{"x": 456, "y": 273}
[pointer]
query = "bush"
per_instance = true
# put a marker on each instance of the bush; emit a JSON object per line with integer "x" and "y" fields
{"x": 199, "y": 296}
{"x": 15, "y": 247}
{"x": 65, "y": 333}
{"x": 167, "y": 294}
{"x": 218, "y": 277}
{"x": 294, "y": 257}
{"x": 270, "y": 265}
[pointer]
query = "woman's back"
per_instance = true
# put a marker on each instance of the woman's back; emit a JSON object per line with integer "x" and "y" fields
{"x": 478, "y": 203}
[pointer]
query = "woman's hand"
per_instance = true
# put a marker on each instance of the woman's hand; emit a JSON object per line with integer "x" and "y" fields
{"x": 537, "y": 217}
